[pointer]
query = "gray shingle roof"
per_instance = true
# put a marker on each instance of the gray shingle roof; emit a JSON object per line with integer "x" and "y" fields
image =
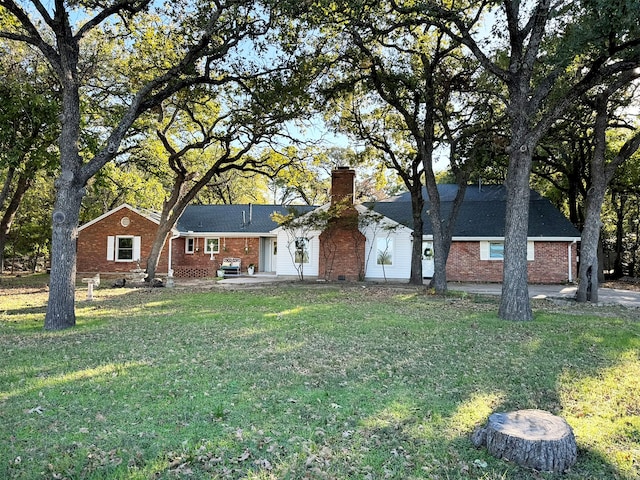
{"x": 483, "y": 213}
{"x": 250, "y": 219}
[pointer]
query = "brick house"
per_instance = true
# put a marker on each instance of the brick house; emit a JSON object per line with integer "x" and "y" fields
{"x": 365, "y": 241}
{"x": 477, "y": 246}
{"x": 478, "y": 237}
{"x": 120, "y": 240}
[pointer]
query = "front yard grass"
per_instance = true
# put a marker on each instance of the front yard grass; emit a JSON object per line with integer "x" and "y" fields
{"x": 305, "y": 381}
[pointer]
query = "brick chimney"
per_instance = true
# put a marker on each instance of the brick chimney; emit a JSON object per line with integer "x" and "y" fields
{"x": 342, "y": 245}
{"x": 343, "y": 182}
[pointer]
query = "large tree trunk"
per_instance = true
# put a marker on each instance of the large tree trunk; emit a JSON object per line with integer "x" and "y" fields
{"x": 6, "y": 186}
{"x": 443, "y": 232}
{"x": 514, "y": 303}
{"x": 588, "y": 276}
{"x": 69, "y": 193}
{"x": 61, "y": 307}
{"x": 440, "y": 255}
{"x": 172, "y": 209}
{"x": 159, "y": 240}
{"x": 601, "y": 174}
{"x": 417, "y": 205}
{"x": 440, "y": 250}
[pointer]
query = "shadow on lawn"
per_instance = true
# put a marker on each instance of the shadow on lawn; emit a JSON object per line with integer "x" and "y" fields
{"x": 241, "y": 383}
{"x": 409, "y": 390}
{"x": 107, "y": 303}
{"x": 39, "y": 310}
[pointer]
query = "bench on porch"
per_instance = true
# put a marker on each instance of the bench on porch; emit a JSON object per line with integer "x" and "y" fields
{"x": 230, "y": 266}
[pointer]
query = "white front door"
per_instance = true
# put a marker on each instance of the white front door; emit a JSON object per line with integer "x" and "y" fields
{"x": 427, "y": 259}
{"x": 268, "y": 254}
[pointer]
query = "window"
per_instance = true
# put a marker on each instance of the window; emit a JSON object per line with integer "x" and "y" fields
{"x": 302, "y": 250}
{"x": 212, "y": 245}
{"x": 384, "y": 253}
{"x": 496, "y": 251}
{"x": 189, "y": 245}
{"x": 123, "y": 248}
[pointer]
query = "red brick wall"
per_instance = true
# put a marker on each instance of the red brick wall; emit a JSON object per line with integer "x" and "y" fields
{"x": 199, "y": 264}
{"x": 550, "y": 264}
{"x": 342, "y": 253}
{"x": 92, "y": 243}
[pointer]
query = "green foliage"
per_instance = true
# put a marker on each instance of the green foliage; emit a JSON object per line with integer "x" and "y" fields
{"x": 28, "y": 112}
{"x": 29, "y": 241}
{"x": 235, "y": 188}
{"x": 29, "y": 128}
{"x": 119, "y": 183}
{"x": 602, "y": 28}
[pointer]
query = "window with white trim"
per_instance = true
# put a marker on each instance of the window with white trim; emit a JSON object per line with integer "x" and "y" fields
{"x": 212, "y": 245}
{"x": 189, "y": 245}
{"x": 123, "y": 248}
{"x": 494, "y": 250}
{"x": 384, "y": 251}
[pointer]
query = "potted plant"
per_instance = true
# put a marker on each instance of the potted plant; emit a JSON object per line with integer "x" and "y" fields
{"x": 251, "y": 269}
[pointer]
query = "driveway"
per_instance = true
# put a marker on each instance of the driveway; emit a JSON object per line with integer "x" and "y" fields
{"x": 606, "y": 296}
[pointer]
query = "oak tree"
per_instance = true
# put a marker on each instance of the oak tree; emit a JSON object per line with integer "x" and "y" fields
{"x": 393, "y": 88}
{"x": 194, "y": 43}
{"x": 546, "y": 55}
{"x": 28, "y": 131}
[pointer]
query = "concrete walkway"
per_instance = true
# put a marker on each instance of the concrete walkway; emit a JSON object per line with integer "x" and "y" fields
{"x": 606, "y": 296}
{"x": 250, "y": 279}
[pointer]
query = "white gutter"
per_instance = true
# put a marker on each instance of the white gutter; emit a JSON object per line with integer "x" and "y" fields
{"x": 570, "y": 260}
{"x": 169, "y": 269}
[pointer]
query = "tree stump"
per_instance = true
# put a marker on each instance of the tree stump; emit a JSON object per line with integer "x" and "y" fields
{"x": 530, "y": 438}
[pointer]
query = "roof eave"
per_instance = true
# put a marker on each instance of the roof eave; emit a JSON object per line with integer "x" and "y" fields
{"x": 114, "y": 210}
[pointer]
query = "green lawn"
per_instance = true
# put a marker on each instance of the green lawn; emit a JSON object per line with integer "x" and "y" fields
{"x": 305, "y": 381}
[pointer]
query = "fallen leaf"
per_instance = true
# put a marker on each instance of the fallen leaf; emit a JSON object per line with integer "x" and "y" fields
{"x": 480, "y": 463}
